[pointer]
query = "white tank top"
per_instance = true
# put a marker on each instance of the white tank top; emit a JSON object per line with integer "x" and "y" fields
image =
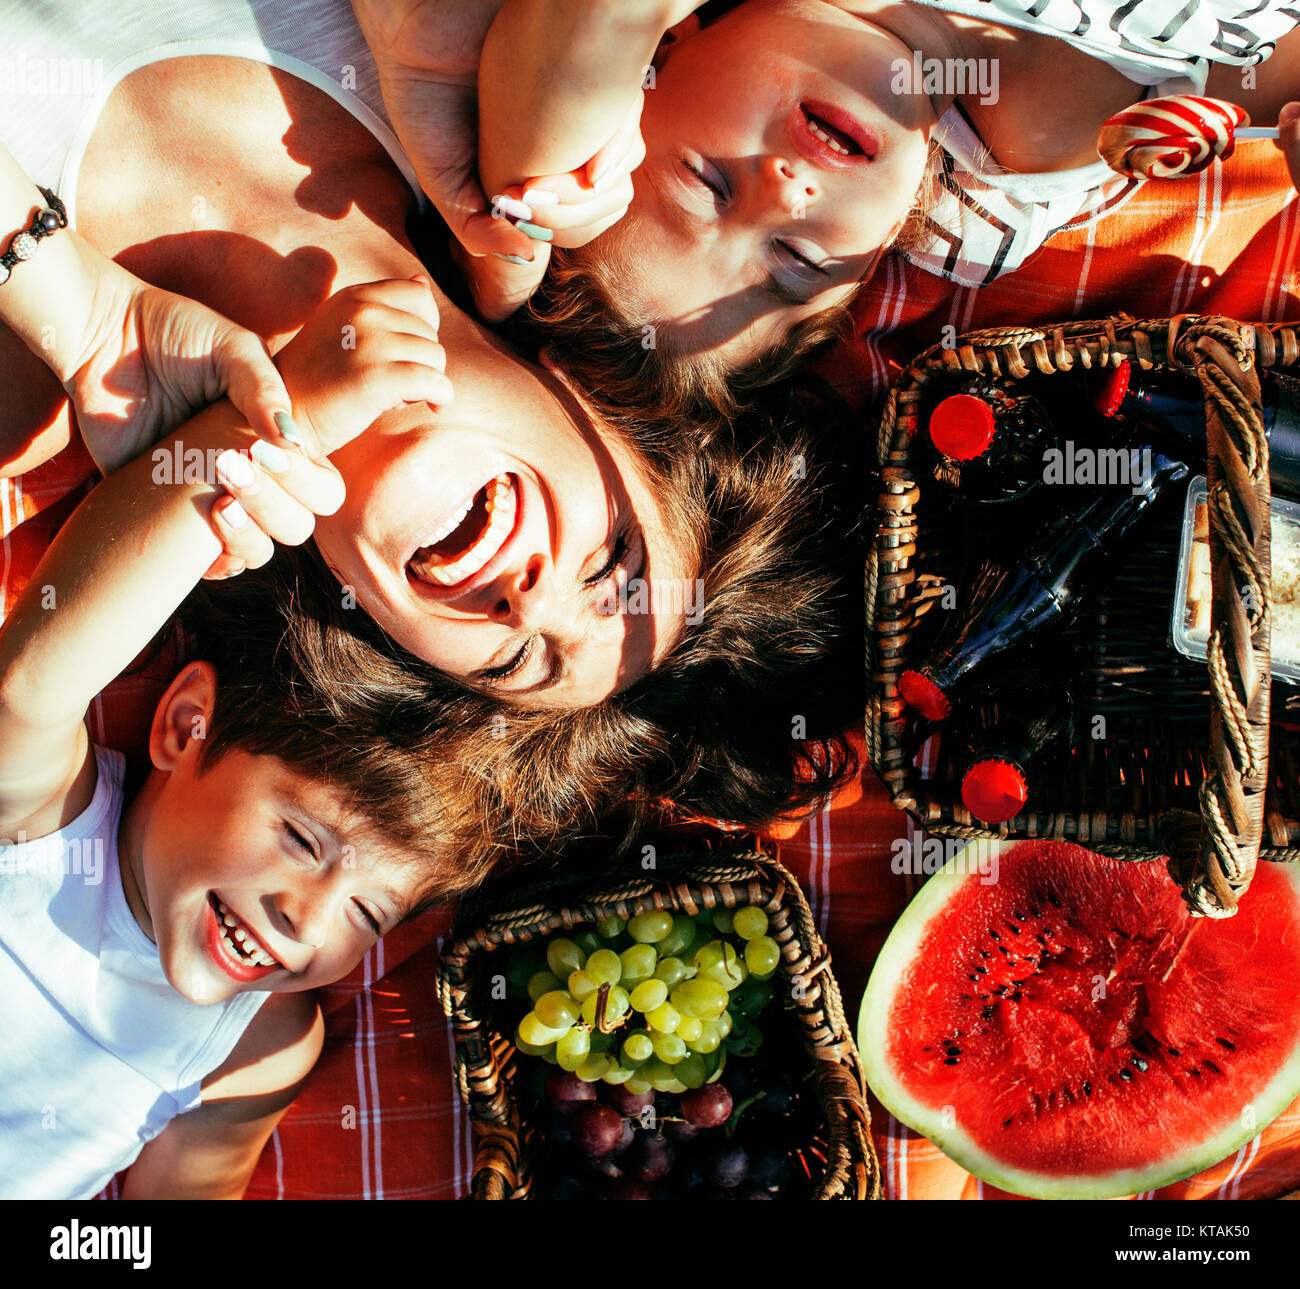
{"x": 99, "y": 1053}
{"x": 61, "y": 59}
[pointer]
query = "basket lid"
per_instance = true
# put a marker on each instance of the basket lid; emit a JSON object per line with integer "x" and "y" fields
{"x": 962, "y": 427}
{"x": 994, "y": 790}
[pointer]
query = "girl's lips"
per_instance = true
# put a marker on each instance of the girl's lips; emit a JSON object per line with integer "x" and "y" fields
{"x": 817, "y": 150}
{"x": 225, "y": 958}
{"x": 487, "y": 574}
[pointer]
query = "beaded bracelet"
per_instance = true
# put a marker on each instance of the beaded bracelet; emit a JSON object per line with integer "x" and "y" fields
{"x": 22, "y": 245}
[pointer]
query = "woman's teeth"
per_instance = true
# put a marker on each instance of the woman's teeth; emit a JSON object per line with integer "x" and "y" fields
{"x": 471, "y": 537}
{"x": 243, "y": 944}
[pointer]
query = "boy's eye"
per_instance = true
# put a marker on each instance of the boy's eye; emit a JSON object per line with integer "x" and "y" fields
{"x": 370, "y": 918}
{"x": 298, "y": 839}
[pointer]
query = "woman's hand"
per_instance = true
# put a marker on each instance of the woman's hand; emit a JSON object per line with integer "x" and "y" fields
{"x": 427, "y": 55}
{"x": 366, "y": 349}
{"x": 151, "y": 359}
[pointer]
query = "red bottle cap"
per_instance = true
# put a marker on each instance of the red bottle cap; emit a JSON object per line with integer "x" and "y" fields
{"x": 1114, "y": 391}
{"x": 994, "y": 791}
{"x": 922, "y": 694}
{"x": 962, "y": 427}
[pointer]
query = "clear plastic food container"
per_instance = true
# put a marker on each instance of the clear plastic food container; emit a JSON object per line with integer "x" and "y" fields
{"x": 1191, "y": 611}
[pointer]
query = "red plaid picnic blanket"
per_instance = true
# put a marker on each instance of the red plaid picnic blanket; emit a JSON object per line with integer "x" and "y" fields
{"x": 380, "y": 1117}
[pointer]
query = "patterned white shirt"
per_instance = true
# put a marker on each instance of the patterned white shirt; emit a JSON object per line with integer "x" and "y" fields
{"x": 986, "y": 221}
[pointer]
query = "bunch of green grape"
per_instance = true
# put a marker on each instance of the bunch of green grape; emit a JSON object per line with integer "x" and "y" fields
{"x": 654, "y": 1003}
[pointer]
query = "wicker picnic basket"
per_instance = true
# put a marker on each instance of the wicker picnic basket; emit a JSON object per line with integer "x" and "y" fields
{"x": 1159, "y": 785}
{"x": 726, "y": 871}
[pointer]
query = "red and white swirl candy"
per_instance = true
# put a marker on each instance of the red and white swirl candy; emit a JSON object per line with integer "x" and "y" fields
{"x": 1164, "y": 138}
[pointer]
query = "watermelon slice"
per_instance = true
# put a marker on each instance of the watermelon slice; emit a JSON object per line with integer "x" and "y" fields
{"x": 1067, "y": 1030}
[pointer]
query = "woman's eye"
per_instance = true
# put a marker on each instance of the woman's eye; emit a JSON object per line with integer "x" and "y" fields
{"x": 515, "y": 664}
{"x": 616, "y": 557}
{"x": 371, "y": 920}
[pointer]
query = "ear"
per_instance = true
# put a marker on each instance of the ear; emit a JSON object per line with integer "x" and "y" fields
{"x": 180, "y": 721}
{"x": 674, "y": 36}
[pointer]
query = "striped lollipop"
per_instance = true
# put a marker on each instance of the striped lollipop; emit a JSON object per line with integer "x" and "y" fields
{"x": 1163, "y": 138}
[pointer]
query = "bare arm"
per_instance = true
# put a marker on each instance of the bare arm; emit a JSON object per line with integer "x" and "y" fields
{"x": 557, "y": 79}
{"x": 211, "y": 1152}
{"x": 112, "y": 577}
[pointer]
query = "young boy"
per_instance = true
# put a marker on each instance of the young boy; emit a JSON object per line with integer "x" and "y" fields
{"x": 157, "y": 950}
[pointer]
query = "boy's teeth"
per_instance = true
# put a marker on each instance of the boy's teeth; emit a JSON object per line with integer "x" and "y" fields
{"x": 243, "y": 945}
{"x": 501, "y": 505}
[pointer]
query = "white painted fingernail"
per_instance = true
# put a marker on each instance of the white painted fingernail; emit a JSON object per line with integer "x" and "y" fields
{"x": 540, "y": 197}
{"x": 235, "y": 469}
{"x": 235, "y": 515}
{"x": 503, "y": 205}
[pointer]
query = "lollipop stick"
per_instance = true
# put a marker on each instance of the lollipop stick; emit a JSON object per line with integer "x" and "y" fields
{"x": 1256, "y": 132}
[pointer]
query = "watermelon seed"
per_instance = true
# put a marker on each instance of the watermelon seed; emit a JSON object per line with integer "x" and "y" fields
{"x": 1140, "y": 1063}
{"x": 1053, "y": 901}
{"x": 994, "y": 934}
{"x": 954, "y": 1051}
{"x": 1020, "y": 917}
{"x": 1173, "y": 1051}
{"x": 1015, "y": 930}
{"x": 1194, "y": 1073}
{"x": 952, "y": 1060}
{"x": 1006, "y": 1123}
{"x": 1223, "y": 1042}
{"x": 1038, "y": 913}
{"x": 1126, "y": 1075}
{"x": 972, "y": 976}
{"x": 981, "y": 971}
{"x": 1211, "y": 1065}
{"x": 987, "y": 1013}
{"x": 1087, "y": 1088}
{"x": 984, "y": 953}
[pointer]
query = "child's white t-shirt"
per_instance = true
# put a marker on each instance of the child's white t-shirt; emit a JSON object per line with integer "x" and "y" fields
{"x": 99, "y": 1053}
{"x": 989, "y": 221}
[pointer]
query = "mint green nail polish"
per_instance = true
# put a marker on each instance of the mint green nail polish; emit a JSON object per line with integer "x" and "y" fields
{"x": 284, "y": 423}
{"x": 535, "y": 231}
{"x": 269, "y": 457}
{"x": 511, "y": 259}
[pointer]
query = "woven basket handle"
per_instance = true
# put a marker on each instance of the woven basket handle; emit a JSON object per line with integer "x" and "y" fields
{"x": 1214, "y": 860}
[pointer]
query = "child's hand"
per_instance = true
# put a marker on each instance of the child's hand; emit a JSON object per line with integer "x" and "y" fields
{"x": 562, "y": 210}
{"x": 367, "y": 349}
{"x": 578, "y": 207}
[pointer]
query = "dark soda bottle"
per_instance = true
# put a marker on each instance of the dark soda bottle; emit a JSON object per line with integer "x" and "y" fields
{"x": 1013, "y": 727}
{"x": 1073, "y": 557}
{"x": 991, "y": 441}
{"x": 1152, "y": 400}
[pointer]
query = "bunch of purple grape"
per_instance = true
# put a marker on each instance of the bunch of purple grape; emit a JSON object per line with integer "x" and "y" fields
{"x": 743, "y": 1137}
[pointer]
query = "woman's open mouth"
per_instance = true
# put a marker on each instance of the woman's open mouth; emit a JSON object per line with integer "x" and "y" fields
{"x": 470, "y": 538}
{"x": 234, "y": 948}
{"x": 827, "y": 136}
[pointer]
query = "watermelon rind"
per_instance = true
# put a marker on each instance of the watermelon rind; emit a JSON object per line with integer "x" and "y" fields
{"x": 899, "y": 954}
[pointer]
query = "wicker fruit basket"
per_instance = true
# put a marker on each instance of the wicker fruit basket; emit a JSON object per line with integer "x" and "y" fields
{"x": 1211, "y": 796}
{"x": 732, "y": 872}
